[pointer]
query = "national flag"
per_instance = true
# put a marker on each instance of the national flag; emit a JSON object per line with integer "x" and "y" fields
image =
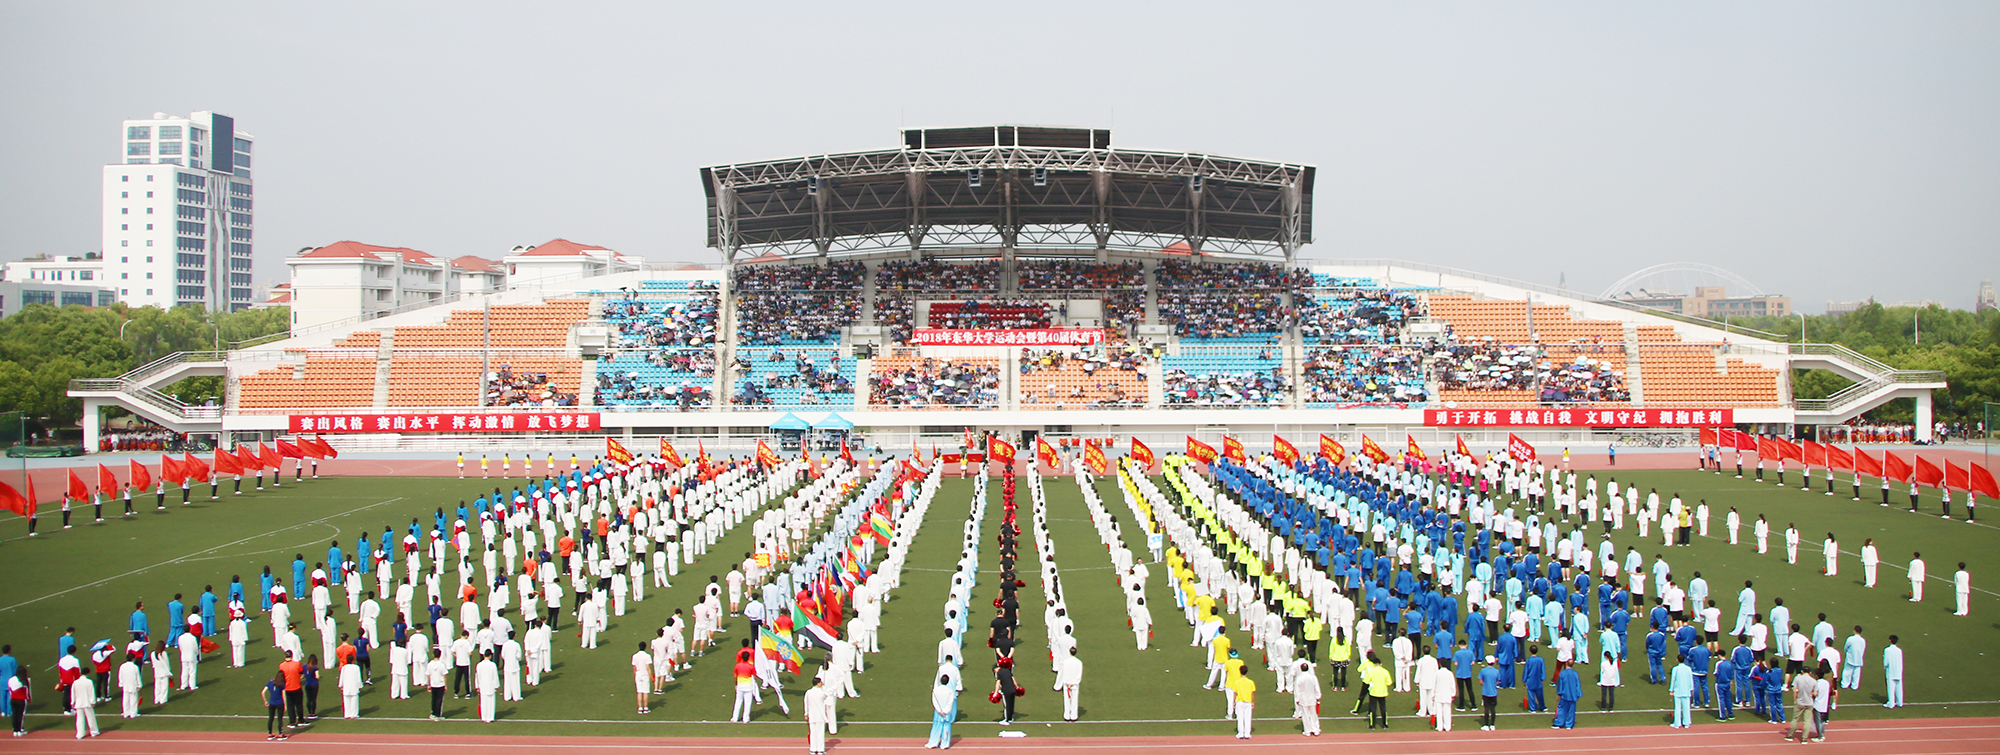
{"x": 766, "y": 456}
{"x": 77, "y": 490}
{"x": 141, "y": 479}
{"x": 1044, "y": 452}
{"x": 1519, "y": 449}
{"x": 1927, "y": 473}
{"x": 107, "y": 483}
{"x": 1372, "y": 451}
{"x": 1955, "y": 477}
{"x": 780, "y": 648}
{"x": 1000, "y": 450}
{"x": 289, "y": 451}
{"x": 1284, "y": 450}
{"x": 12, "y": 500}
{"x": 616, "y": 452}
{"x": 225, "y": 463}
{"x": 1140, "y": 453}
{"x": 1093, "y": 457}
{"x": 1981, "y": 481}
{"x": 1865, "y": 464}
{"x": 1414, "y": 449}
{"x": 1894, "y": 468}
{"x": 270, "y": 457}
{"x": 1463, "y": 450}
{"x": 814, "y": 624}
{"x": 668, "y": 454}
{"x": 1199, "y": 451}
{"x": 1332, "y": 451}
{"x": 845, "y": 454}
{"x": 1232, "y": 449}
{"x": 881, "y": 527}
{"x": 1707, "y": 437}
{"x": 1838, "y": 458}
{"x": 1812, "y": 454}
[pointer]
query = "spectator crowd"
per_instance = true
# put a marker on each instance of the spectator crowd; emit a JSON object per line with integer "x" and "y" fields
{"x": 936, "y": 382}
{"x": 1219, "y": 389}
{"x": 505, "y": 387}
{"x": 1373, "y": 374}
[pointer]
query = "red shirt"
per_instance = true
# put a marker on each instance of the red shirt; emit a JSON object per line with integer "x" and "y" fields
{"x": 293, "y": 671}
{"x": 745, "y": 671}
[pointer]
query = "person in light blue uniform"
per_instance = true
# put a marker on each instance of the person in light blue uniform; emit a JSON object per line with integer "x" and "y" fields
{"x": 176, "y": 617}
{"x": 1681, "y": 686}
{"x": 333, "y": 561}
{"x": 138, "y": 625}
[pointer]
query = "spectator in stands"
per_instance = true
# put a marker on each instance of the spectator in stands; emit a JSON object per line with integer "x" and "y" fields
{"x": 937, "y": 275}
{"x": 1381, "y": 374}
{"x": 933, "y": 382}
{"x": 1482, "y": 365}
{"x": 777, "y": 303}
{"x": 1214, "y": 389}
{"x": 1066, "y": 275}
{"x": 1356, "y": 315}
{"x": 1582, "y": 381}
{"x": 994, "y": 315}
{"x": 504, "y": 387}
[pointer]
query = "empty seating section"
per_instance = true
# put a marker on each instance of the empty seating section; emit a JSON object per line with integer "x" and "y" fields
{"x": 1244, "y": 377}
{"x": 1366, "y": 374}
{"x": 918, "y": 382}
{"x": 791, "y": 378}
{"x": 1089, "y": 379}
{"x": 531, "y": 379}
{"x": 1688, "y": 375}
{"x": 1507, "y": 321}
{"x": 325, "y": 383}
{"x": 508, "y": 326}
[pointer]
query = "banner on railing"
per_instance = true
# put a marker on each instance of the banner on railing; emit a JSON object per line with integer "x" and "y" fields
{"x": 1035, "y": 337}
{"x": 1579, "y": 417}
{"x": 446, "y": 422}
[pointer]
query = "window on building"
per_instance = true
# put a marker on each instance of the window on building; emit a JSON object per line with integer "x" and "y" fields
{"x": 149, "y": 259}
{"x": 170, "y": 148}
{"x": 242, "y": 145}
{"x": 124, "y": 210}
{"x": 124, "y": 226}
{"x": 149, "y": 242}
{"x": 76, "y": 297}
{"x": 138, "y": 132}
{"x": 149, "y": 178}
{"x": 190, "y": 180}
{"x": 186, "y": 228}
{"x": 190, "y": 212}
{"x": 194, "y": 149}
{"x": 86, "y": 274}
{"x": 149, "y": 195}
{"x": 170, "y": 132}
{"x": 242, "y": 160}
{"x": 149, "y": 226}
{"x": 124, "y": 292}
{"x": 124, "y": 276}
{"x": 170, "y": 160}
{"x": 124, "y": 243}
{"x": 124, "y": 179}
{"x": 149, "y": 276}
{"x": 124, "y": 260}
{"x": 138, "y": 149}
{"x": 240, "y": 234}
{"x": 197, "y": 133}
{"x": 106, "y": 298}
{"x": 124, "y": 195}
{"x": 37, "y": 297}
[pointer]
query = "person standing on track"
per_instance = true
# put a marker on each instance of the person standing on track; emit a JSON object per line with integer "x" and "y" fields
{"x": 819, "y": 716}
{"x": 273, "y": 696}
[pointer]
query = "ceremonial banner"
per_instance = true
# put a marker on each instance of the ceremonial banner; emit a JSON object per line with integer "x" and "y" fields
{"x": 141, "y": 479}
{"x": 1372, "y": 451}
{"x": 1894, "y": 468}
{"x": 1000, "y": 450}
{"x": 1707, "y": 437}
{"x": 1578, "y": 417}
{"x": 1745, "y": 441}
{"x": 1519, "y": 449}
{"x": 1812, "y": 454}
{"x": 766, "y": 456}
{"x": 846, "y": 455}
{"x": 1142, "y": 454}
{"x": 12, "y": 500}
{"x": 1199, "y": 451}
{"x": 1093, "y": 457}
{"x": 1838, "y": 458}
{"x": 446, "y": 422}
{"x": 1284, "y": 450}
{"x": 1927, "y": 473}
{"x": 107, "y": 483}
{"x": 616, "y": 452}
{"x": 671, "y": 456}
{"x": 1232, "y": 449}
{"x": 1034, "y": 337}
{"x": 1044, "y": 452}
{"x": 1982, "y": 482}
{"x": 1767, "y": 450}
{"x": 1463, "y": 450}
{"x": 1955, "y": 477}
{"x": 1865, "y": 464}
{"x": 77, "y": 490}
{"x": 1331, "y": 449}
{"x": 1413, "y": 449}
{"x": 288, "y": 451}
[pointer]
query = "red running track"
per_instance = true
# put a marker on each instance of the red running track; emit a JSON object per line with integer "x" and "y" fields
{"x": 1957, "y": 736}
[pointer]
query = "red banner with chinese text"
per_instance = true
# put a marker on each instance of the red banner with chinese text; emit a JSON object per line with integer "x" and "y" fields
{"x": 1578, "y": 417}
{"x": 446, "y": 422}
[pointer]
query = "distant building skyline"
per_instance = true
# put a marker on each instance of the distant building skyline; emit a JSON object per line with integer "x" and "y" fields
{"x": 178, "y": 219}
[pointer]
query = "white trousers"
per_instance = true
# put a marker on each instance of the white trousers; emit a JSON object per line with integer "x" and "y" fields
{"x": 740, "y": 711}
{"x": 1443, "y": 713}
{"x": 86, "y": 721}
{"x": 1243, "y": 719}
{"x": 131, "y": 704}
{"x": 236, "y": 655}
{"x": 1917, "y": 590}
{"x": 350, "y": 705}
{"x": 1308, "y": 717}
{"x": 399, "y": 685}
{"x": 1069, "y": 696}
{"x": 1964, "y": 603}
{"x": 486, "y": 706}
{"x": 187, "y": 674}
{"x": 510, "y": 683}
{"x": 816, "y": 737}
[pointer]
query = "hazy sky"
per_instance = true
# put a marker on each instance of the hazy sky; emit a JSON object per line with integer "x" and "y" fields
{"x": 1823, "y": 150}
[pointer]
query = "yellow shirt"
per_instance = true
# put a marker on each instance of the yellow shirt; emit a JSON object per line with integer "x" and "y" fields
{"x": 1221, "y": 646}
{"x": 1245, "y": 689}
{"x": 1232, "y": 668}
{"x": 1377, "y": 679}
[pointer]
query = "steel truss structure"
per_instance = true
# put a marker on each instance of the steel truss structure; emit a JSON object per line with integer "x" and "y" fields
{"x": 1008, "y": 188}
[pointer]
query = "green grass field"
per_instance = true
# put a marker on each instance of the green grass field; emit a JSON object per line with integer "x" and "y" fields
{"x": 89, "y": 577}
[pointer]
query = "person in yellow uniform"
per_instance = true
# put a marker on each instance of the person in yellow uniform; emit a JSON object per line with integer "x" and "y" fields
{"x": 1244, "y": 690}
{"x": 1218, "y": 654}
{"x": 1376, "y": 679}
{"x": 1232, "y": 670}
{"x": 506, "y": 466}
{"x": 1339, "y": 654}
{"x": 1310, "y": 633}
{"x": 483, "y": 466}
{"x": 461, "y": 465}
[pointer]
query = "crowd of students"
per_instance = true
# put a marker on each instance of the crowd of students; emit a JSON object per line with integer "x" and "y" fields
{"x": 1376, "y": 374}
{"x": 626, "y": 388}
{"x": 1231, "y": 389}
{"x": 140, "y": 436}
{"x": 506, "y": 387}
{"x": 806, "y": 374}
{"x": 1065, "y": 275}
{"x": 936, "y": 382}
{"x": 1356, "y": 315}
{"x": 937, "y": 275}
{"x": 993, "y": 314}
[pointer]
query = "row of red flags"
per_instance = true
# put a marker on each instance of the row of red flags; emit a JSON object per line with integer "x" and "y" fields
{"x": 1885, "y": 464}
{"x": 188, "y": 467}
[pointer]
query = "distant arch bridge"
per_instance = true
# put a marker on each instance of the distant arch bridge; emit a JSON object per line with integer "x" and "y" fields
{"x": 1681, "y": 277}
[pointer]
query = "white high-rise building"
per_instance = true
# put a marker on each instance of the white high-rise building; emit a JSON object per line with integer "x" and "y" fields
{"x": 178, "y": 213}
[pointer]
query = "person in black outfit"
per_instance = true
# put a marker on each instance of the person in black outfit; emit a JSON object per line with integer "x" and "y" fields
{"x": 1003, "y": 683}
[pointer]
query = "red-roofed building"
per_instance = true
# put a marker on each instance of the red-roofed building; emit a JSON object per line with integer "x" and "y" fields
{"x": 562, "y": 259}
{"x": 349, "y": 280}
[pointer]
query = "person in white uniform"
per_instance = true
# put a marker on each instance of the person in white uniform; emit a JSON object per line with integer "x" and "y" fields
{"x": 1305, "y": 699}
{"x": 1962, "y": 587}
{"x": 350, "y": 690}
{"x": 1068, "y": 679}
{"x": 130, "y": 681}
{"x": 819, "y": 716}
{"x": 486, "y": 679}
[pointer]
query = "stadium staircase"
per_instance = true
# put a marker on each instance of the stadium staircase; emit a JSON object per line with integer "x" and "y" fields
{"x": 139, "y": 392}
{"x": 1875, "y": 383}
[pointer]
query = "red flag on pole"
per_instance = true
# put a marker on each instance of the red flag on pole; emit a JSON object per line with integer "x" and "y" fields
{"x": 289, "y": 451}
{"x": 269, "y": 457}
{"x": 1767, "y": 450}
{"x": 1373, "y": 451}
{"x": 141, "y": 479}
{"x": 1000, "y": 450}
{"x": 1955, "y": 477}
{"x": 1745, "y": 441}
{"x": 1331, "y": 449}
{"x": 1893, "y": 466}
{"x": 1813, "y": 455}
{"x": 194, "y": 467}
{"x": 1232, "y": 449}
{"x": 226, "y": 463}
{"x": 671, "y": 456}
{"x": 12, "y": 500}
{"x": 1284, "y": 450}
{"x": 1093, "y": 457}
{"x": 1927, "y": 473}
{"x": 1838, "y": 458}
{"x": 1044, "y": 452}
{"x": 1140, "y": 453}
{"x": 325, "y": 448}
{"x": 766, "y": 456}
{"x": 1199, "y": 451}
{"x": 1519, "y": 449}
{"x": 1463, "y": 450}
{"x": 171, "y": 470}
{"x": 1414, "y": 449}
{"x": 107, "y": 483}
{"x": 1865, "y": 464}
{"x": 248, "y": 460}
{"x": 1791, "y": 450}
{"x": 1981, "y": 482}
{"x": 77, "y": 490}
{"x": 1708, "y": 437}
{"x": 845, "y": 454}
{"x": 616, "y": 452}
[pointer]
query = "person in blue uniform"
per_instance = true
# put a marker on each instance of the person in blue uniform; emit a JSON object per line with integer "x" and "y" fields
{"x": 1534, "y": 675}
{"x": 207, "y": 607}
{"x": 1725, "y": 681}
{"x": 1569, "y": 689}
{"x": 333, "y": 560}
{"x": 1681, "y": 687}
{"x": 1699, "y": 658}
{"x": 138, "y": 624}
{"x": 1656, "y": 655}
{"x": 176, "y": 617}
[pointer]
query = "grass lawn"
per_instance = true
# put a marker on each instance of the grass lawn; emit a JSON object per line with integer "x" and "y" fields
{"x": 88, "y": 577}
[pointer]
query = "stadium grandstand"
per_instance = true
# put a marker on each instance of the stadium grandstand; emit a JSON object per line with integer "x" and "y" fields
{"x": 1017, "y": 277}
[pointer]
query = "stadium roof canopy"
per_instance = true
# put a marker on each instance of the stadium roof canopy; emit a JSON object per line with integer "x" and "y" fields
{"x": 989, "y": 190}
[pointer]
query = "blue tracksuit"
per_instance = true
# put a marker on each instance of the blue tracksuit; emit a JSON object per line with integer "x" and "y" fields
{"x": 1534, "y": 675}
{"x": 1725, "y": 677}
{"x": 1569, "y": 687}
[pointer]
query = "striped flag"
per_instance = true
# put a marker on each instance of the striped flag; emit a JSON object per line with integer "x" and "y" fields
{"x": 820, "y": 629}
{"x": 780, "y": 648}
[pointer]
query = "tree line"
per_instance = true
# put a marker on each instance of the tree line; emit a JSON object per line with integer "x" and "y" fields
{"x": 1963, "y": 344}
{"x": 43, "y": 347}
